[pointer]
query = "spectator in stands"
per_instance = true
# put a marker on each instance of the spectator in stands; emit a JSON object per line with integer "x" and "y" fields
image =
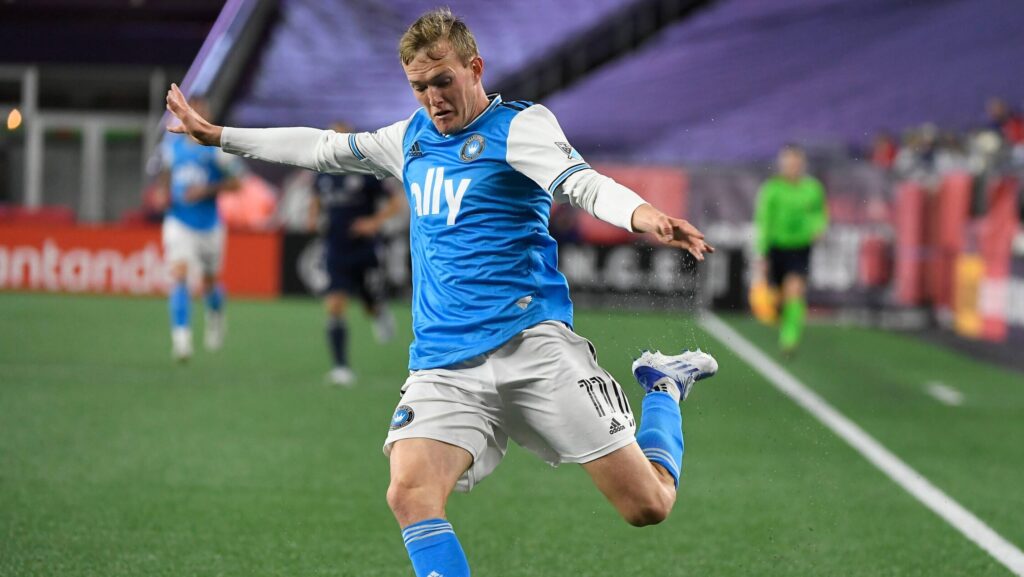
{"x": 356, "y": 206}
{"x": 790, "y": 216}
{"x": 1007, "y": 122}
{"x": 883, "y": 151}
{"x": 950, "y": 155}
{"x": 915, "y": 160}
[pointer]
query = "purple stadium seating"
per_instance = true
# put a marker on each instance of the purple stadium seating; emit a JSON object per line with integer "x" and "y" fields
{"x": 742, "y": 77}
{"x": 338, "y": 60}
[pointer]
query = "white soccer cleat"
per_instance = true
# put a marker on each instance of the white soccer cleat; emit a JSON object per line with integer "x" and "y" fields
{"x": 657, "y": 372}
{"x": 215, "y": 329}
{"x": 181, "y": 343}
{"x": 342, "y": 376}
{"x": 384, "y": 326}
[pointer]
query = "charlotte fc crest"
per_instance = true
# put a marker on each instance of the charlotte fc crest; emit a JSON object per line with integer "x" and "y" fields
{"x": 472, "y": 148}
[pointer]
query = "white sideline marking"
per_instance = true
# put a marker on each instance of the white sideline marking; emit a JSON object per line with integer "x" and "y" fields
{"x": 945, "y": 395}
{"x": 913, "y": 482}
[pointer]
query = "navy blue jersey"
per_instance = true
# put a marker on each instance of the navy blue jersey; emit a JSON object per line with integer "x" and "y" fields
{"x": 344, "y": 198}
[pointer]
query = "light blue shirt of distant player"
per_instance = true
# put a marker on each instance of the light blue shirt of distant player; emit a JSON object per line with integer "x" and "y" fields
{"x": 191, "y": 164}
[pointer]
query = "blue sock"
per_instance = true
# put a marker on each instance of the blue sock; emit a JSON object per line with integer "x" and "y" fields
{"x": 661, "y": 432}
{"x": 337, "y": 338}
{"x": 215, "y": 299}
{"x": 434, "y": 549}
{"x": 178, "y": 303}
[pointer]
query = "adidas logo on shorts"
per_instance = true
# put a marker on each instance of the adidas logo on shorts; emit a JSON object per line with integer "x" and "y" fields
{"x": 616, "y": 427}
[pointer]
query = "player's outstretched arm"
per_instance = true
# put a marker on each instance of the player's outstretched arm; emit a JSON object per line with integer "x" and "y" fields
{"x": 671, "y": 231}
{"x": 378, "y": 152}
{"x": 189, "y": 121}
{"x": 538, "y": 149}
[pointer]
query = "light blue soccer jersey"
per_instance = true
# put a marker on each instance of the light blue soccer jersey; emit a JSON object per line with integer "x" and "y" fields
{"x": 484, "y": 267}
{"x": 191, "y": 164}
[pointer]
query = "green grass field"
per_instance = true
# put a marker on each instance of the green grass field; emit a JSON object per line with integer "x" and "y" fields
{"x": 116, "y": 462}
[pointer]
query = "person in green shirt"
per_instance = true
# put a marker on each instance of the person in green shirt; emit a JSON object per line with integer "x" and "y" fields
{"x": 790, "y": 215}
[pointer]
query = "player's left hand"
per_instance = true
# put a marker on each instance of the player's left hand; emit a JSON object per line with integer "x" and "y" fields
{"x": 670, "y": 231}
{"x": 366, "y": 226}
{"x": 189, "y": 121}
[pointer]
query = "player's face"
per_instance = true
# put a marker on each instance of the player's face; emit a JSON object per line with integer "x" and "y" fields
{"x": 791, "y": 164}
{"x": 448, "y": 89}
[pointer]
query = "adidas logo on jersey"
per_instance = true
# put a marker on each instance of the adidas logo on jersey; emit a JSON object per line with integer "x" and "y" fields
{"x": 616, "y": 427}
{"x": 435, "y": 574}
{"x": 427, "y": 198}
{"x": 414, "y": 150}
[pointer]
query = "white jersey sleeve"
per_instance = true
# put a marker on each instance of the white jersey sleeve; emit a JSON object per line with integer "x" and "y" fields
{"x": 538, "y": 149}
{"x": 379, "y": 152}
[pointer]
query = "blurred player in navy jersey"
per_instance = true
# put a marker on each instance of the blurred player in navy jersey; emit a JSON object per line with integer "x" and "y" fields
{"x": 494, "y": 356}
{"x": 356, "y": 207}
{"x": 192, "y": 176}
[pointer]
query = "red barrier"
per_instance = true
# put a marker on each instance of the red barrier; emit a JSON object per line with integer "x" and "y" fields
{"x": 52, "y": 215}
{"x": 997, "y": 230}
{"x": 875, "y": 263}
{"x": 948, "y": 212}
{"x": 121, "y": 260}
{"x": 909, "y": 260}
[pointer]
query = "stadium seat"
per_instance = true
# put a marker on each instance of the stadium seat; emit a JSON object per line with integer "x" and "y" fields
{"x": 358, "y": 39}
{"x": 723, "y": 85}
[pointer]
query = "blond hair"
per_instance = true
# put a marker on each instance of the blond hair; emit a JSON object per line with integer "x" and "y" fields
{"x": 434, "y": 27}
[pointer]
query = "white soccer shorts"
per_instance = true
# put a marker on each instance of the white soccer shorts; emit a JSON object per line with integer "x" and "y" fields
{"x": 196, "y": 247}
{"x": 543, "y": 389}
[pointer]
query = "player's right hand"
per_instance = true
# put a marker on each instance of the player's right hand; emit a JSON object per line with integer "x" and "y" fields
{"x": 189, "y": 121}
{"x": 674, "y": 232}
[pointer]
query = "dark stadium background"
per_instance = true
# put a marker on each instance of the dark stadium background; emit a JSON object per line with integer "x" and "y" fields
{"x": 115, "y": 461}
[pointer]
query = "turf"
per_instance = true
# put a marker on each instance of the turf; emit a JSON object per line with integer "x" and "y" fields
{"x": 114, "y": 461}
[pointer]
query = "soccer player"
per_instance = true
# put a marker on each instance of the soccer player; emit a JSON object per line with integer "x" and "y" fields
{"x": 494, "y": 355}
{"x": 350, "y": 255}
{"x": 192, "y": 233}
{"x": 790, "y": 215}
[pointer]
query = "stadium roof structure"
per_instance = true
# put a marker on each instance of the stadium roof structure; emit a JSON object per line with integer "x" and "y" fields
{"x": 104, "y": 32}
{"x": 328, "y": 61}
{"x": 740, "y": 78}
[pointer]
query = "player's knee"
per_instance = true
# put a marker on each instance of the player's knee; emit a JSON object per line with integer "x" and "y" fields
{"x": 334, "y": 306}
{"x": 179, "y": 271}
{"x": 412, "y": 502}
{"x": 650, "y": 510}
{"x": 644, "y": 516}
